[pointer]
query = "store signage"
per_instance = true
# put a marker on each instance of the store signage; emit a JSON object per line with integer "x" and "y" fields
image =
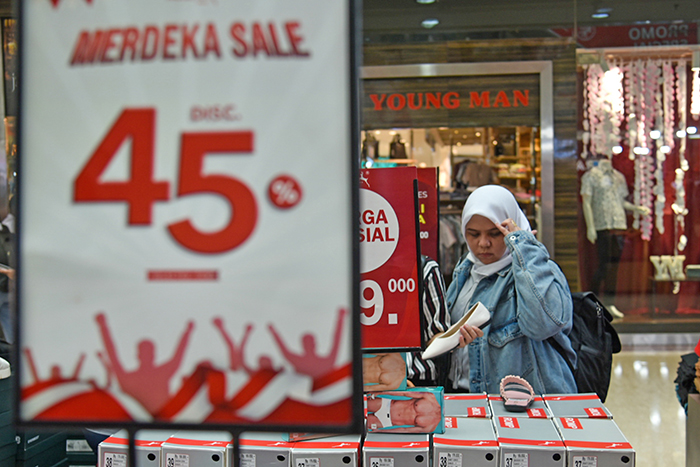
{"x": 636, "y": 35}
{"x": 389, "y": 288}
{"x": 186, "y": 241}
{"x": 493, "y": 100}
{"x": 428, "y": 212}
{"x": 450, "y": 100}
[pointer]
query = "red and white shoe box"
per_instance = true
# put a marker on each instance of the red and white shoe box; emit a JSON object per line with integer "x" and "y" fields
{"x": 470, "y": 442}
{"x": 115, "y": 449}
{"x": 264, "y": 450}
{"x": 529, "y": 442}
{"x": 592, "y": 442}
{"x": 400, "y": 450}
{"x": 587, "y": 405}
{"x": 197, "y": 448}
{"x": 342, "y": 450}
{"x": 467, "y": 405}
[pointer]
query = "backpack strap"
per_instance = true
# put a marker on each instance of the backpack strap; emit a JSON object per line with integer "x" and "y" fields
{"x": 557, "y": 346}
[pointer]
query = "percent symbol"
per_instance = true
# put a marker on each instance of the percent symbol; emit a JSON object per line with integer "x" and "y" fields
{"x": 284, "y": 192}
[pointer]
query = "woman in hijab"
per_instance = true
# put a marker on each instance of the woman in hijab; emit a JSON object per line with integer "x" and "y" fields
{"x": 509, "y": 272}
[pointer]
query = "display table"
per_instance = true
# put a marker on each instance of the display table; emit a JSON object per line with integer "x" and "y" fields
{"x": 692, "y": 432}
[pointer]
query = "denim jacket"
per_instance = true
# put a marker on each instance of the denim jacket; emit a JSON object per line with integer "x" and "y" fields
{"x": 529, "y": 301}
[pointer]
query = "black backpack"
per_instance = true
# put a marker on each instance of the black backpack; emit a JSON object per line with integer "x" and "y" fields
{"x": 594, "y": 340}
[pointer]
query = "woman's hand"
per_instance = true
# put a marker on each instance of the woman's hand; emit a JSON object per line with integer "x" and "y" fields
{"x": 468, "y": 333}
{"x": 509, "y": 226}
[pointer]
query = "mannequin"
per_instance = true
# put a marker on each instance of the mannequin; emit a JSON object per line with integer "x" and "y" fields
{"x": 604, "y": 192}
{"x": 370, "y": 147}
{"x": 397, "y": 149}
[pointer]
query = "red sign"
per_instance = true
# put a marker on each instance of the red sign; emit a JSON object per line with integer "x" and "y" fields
{"x": 428, "y": 211}
{"x": 389, "y": 300}
{"x": 508, "y": 422}
{"x": 637, "y": 35}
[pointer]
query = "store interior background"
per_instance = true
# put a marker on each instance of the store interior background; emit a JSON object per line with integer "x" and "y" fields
{"x": 398, "y": 32}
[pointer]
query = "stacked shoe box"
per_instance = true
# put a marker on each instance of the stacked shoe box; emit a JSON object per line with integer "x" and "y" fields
{"x": 469, "y": 438}
{"x": 37, "y": 448}
{"x": 527, "y": 438}
{"x": 201, "y": 449}
{"x": 114, "y": 450}
{"x": 78, "y": 451}
{"x": 400, "y": 450}
{"x": 8, "y": 447}
{"x": 265, "y": 450}
{"x": 589, "y": 432}
{"x": 467, "y": 441}
{"x": 336, "y": 450}
{"x": 467, "y": 405}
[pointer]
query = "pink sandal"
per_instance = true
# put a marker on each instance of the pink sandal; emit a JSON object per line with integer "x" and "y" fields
{"x": 517, "y": 393}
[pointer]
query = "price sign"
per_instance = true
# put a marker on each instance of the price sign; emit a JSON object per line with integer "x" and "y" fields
{"x": 188, "y": 214}
{"x": 429, "y": 212}
{"x": 389, "y": 296}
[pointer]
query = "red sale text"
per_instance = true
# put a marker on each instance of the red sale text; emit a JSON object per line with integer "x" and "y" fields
{"x": 171, "y": 42}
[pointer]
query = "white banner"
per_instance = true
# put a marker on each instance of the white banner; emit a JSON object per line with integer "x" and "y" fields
{"x": 186, "y": 211}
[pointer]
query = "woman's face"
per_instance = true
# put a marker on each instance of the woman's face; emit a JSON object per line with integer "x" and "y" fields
{"x": 484, "y": 239}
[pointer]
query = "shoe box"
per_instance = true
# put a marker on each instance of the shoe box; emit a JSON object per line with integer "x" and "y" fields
{"x": 341, "y": 450}
{"x": 40, "y": 448}
{"x": 595, "y": 442}
{"x": 78, "y": 451}
{"x": 198, "y": 448}
{"x": 587, "y": 405}
{"x": 537, "y": 408}
{"x": 469, "y": 442}
{"x": 264, "y": 450}
{"x": 467, "y": 405}
{"x": 436, "y": 392}
{"x": 528, "y": 442}
{"x": 114, "y": 450}
{"x": 399, "y": 450}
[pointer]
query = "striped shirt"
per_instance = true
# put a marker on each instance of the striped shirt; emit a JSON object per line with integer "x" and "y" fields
{"x": 436, "y": 319}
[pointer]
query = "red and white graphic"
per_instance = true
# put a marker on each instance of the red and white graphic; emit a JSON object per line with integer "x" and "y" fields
{"x": 508, "y": 422}
{"x": 389, "y": 300}
{"x": 179, "y": 226}
{"x": 596, "y": 412}
{"x": 450, "y": 422}
{"x": 571, "y": 423}
{"x": 478, "y": 412}
{"x": 536, "y": 413}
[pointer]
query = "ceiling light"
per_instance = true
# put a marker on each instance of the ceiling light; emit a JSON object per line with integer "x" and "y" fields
{"x": 655, "y": 134}
{"x": 691, "y": 130}
{"x": 665, "y": 149}
{"x": 430, "y": 23}
{"x": 617, "y": 149}
{"x": 680, "y": 133}
{"x": 600, "y": 15}
{"x": 478, "y": 133}
{"x": 641, "y": 151}
{"x": 425, "y": 2}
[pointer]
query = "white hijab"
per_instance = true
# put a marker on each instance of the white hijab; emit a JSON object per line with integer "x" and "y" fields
{"x": 497, "y": 204}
